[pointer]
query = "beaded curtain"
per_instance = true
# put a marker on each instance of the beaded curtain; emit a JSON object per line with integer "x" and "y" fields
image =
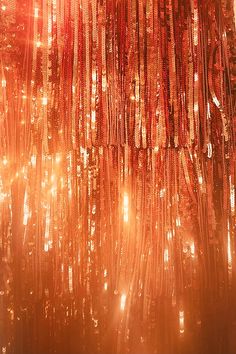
{"x": 117, "y": 177}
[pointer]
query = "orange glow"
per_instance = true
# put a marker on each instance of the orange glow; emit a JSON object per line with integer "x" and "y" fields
{"x": 117, "y": 176}
{"x": 122, "y": 302}
{"x": 181, "y": 322}
{"x": 126, "y": 207}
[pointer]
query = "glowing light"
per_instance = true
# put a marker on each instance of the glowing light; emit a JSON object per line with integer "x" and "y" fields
{"x": 192, "y": 249}
{"x": 106, "y": 168}
{"x": 33, "y": 160}
{"x": 166, "y": 255}
{"x": 232, "y": 195}
{"x": 169, "y": 235}
{"x": 178, "y": 221}
{"x": 181, "y": 322}
{"x": 70, "y": 271}
{"x": 58, "y": 158}
{"x": 200, "y": 180}
{"x": 126, "y": 207}
{"x": 44, "y": 101}
{"x": 36, "y": 12}
{"x": 162, "y": 192}
{"x": 2, "y": 196}
{"x": 93, "y": 117}
{"x": 94, "y": 76}
{"x": 46, "y": 247}
{"x": 122, "y": 302}
{"x": 26, "y": 210}
{"x": 104, "y": 82}
{"x": 209, "y": 150}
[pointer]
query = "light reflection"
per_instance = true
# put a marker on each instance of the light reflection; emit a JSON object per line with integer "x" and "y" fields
{"x": 122, "y": 302}
{"x": 181, "y": 322}
{"x": 126, "y": 207}
{"x": 192, "y": 249}
{"x": 36, "y": 12}
{"x": 70, "y": 279}
{"x": 44, "y": 101}
{"x": 26, "y": 210}
{"x": 166, "y": 255}
{"x": 232, "y": 195}
{"x": 229, "y": 252}
{"x": 209, "y": 150}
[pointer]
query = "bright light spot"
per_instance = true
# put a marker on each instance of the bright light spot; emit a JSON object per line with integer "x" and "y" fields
{"x": 4, "y": 83}
{"x": 94, "y": 76}
{"x": 209, "y": 150}
{"x": 178, "y": 221}
{"x": 169, "y": 235}
{"x": 4, "y": 7}
{"x": 70, "y": 279}
{"x": 232, "y": 195}
{"x": 58, "y": 158}
{"x": 105, "y": 286}
{"x": 93, "y": 116}
{"x": 162, "y": 192}
{"x": 181, "y": 322}
{"x": 166, "y": 255}
{"x": 2, "y": 196}
{"x": 46, "y": 247}
{"x": 36, "y": 12}
{"x": 4, "y": 161}
{"x": 200, "y": 179}
{"x": 208, "y": 110}
{"x": 104, "y": 83}
{"x": 33, "y": 160}
{"x": 196, "y": 77}
{"x": 215, "y": 100}
{"x": 26, "y": 210}
{"x": 44, "y": 101}
{"x": 38, "y": 44}
{"x": 126, "y": 207}
{"x": 192, "y": 249}
{"x": 53, "y": 191}
{"x": 122, "y": 302}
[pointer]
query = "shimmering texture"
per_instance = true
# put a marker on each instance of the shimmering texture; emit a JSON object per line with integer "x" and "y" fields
{"x": 117, "y": 176}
